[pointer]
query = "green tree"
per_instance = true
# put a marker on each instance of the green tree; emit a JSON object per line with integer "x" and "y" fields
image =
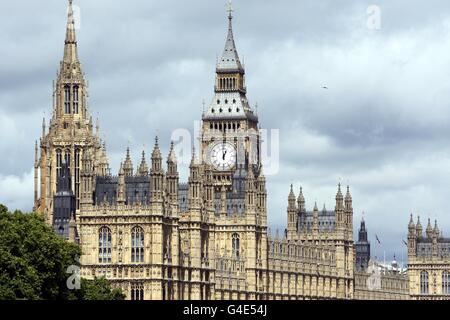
{"x": 34, "y": 262}
{"x": 98, "y": 289}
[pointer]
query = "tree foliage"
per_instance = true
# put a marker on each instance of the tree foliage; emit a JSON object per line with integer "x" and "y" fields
{"x": 34, "y": 262}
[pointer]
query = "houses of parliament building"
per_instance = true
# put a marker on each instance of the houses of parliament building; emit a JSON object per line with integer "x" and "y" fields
{"x": 158, "y": 238}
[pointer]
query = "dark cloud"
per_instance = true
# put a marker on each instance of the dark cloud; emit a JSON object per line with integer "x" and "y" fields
{"x": 382, "y": 125}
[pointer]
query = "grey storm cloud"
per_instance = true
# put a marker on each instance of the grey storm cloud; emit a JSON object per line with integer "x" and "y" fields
{"x": 381, "y": 126}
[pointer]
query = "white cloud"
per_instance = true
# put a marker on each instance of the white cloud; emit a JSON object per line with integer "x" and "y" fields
{"x": 16, "y": 192}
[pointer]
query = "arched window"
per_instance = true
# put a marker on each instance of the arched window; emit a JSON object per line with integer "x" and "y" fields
{"x": 75, "y": 99}
{"x": 67, "y": 158}
{"x": 77, "y": 176}
{"x": 67, "y": 99}
{"x": 137, "y": 245}
{"x": 445, "y": 282}
{"x": 58, "y": 162}
{"x": 137, "y": 291}
{"x": 104, "y": 245}
{"x": 236, "y": 245}
{"x": 424, "y": 282}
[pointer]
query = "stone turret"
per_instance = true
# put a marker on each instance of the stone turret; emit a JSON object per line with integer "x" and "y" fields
{"x": 172, "y": 177}
{"x": 121, "y": 197}
{"x": 429, "y": 230}
{"x": 128, "y": 165}
{"x": 292, "y": 214}
{"x": 315, "y": 227}
{"x": 339, "y": 209}
{"x": 418, "y": 228}
{"x": 143, "y": 167}
{"x": 156, "y": 174}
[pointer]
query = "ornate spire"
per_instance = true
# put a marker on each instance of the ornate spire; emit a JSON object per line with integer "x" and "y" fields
{"x": 418, "y": 227}
{"x": 411, "y": 225}
{"x": 436, "y": 229}
{"x": 301, "y": 198}
{"x": 143, "y": 168}
{"x": 128, "y": 164}
{"x": 156, "y": 154}
{"x": 291, "y": 198}
{"x": 230, "y": 58}
{"x": 70, "y": 47}
{"x": 172, "y": 158}
{"x": 429, "y": 230}
{"x": 348, "y": 196}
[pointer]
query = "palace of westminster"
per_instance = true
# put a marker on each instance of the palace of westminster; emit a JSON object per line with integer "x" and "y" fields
{"x": 157, "y": 238}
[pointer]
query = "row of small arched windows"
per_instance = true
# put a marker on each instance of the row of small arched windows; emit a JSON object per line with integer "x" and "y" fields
{"x": 224, "y": 126}
{"x": 227, "y": 83}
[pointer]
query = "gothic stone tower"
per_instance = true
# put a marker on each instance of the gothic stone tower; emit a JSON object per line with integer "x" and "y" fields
{"x": 70, "y": 131}
{"x": 230, "y": 136}
{"x": 362, "y": 248}
{"x": 230, "y": 149}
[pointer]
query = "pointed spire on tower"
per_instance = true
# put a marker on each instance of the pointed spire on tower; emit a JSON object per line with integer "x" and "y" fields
{"x": 172, "y": 156}
{"x": 301, "y": 200}
{"x": 230, "y": 58}
{"x": 429, "y": 230}
{"x": 70, "y": 47}
{"x": 128, "y": 164}
{"x": 348, "y": 196}
{"x": 143, "y": 167}
{"x": 156, "y": 154}
{"x": 436, "y": 229}
{"x": 418, "y": 227}
{"x": 411, "y": 225}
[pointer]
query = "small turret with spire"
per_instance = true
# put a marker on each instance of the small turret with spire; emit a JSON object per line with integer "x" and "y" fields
{"x": 121, "y": 197}
{"x": 418, "y": 228}
{"x": 128, "y": 164}
{"x": 339, "y": 208}
{"x": 143, "y": 167}
{"x": 429, "y": 230}
{"x": 291, "y": 214}
{"x": 156, "y": 174}
{"x": 172, "y": 177}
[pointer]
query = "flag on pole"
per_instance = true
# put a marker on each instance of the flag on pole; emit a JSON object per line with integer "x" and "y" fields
{"x": 379, "y": 242}
{"x": 404, "y": 242}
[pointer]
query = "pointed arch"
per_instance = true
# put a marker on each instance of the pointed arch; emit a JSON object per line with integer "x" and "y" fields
{"x": 137, "y": 245}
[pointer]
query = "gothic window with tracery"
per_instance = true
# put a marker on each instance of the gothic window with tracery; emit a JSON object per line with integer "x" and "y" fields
{"x": 137, "y": 291}
{"x": 58, "y": 162}
{"x": 104, "y": 245}
{"x": 75, "y": 99}
{"x": 137, "y": 245}
{"x": 424, "y": 282}
{"x": 67, "y": 99}
{"x": 446, "y": 282}
{"x": 236, "y": 245}
{"x": 77, "y": 176}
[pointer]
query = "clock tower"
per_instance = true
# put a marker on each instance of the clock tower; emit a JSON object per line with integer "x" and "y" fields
{"x": 230, "y": 136}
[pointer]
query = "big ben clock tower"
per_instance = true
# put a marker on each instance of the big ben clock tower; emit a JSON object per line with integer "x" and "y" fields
{"x": 230, "y": 137}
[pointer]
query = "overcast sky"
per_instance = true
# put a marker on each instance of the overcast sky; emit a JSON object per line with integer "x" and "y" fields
{"x": 382, "y": 125}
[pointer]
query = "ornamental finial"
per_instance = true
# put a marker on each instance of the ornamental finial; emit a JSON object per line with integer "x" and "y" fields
{"x": 230, "y": 9}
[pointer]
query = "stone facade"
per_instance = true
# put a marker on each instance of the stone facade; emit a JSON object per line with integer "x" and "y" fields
{"x": 381, "y": 283}
{"x": 428, "y": 262}
{"x": 157, "y": 238}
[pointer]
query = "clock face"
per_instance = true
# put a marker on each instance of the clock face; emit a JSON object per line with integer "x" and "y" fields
{"x": 223, "y": 156}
